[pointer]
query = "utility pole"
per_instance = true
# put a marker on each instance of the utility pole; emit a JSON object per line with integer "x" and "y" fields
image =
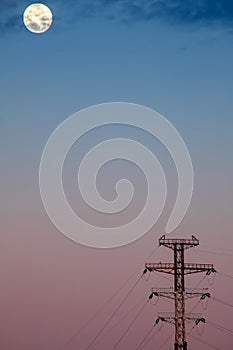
{"x": 179, "y": 294}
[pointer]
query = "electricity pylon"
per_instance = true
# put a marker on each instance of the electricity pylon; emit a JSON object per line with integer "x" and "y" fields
{"x": 179, "y": 269}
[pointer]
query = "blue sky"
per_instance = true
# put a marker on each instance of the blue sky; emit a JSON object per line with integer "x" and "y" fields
{"x": 204, "y": 12}
{"x": 180, "y": 68}
{"x": 173, "y": 56}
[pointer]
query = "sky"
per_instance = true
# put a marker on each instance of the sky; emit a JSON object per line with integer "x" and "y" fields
{"x": 172, "y": 56}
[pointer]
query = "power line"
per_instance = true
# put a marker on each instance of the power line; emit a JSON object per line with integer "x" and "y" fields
{"x": 221, "y": 328}
{"x": 215, "y": 253}
{"x": 130, "y": 325}
{"x": 194, "y": 307}
{"x": 198, "y": 284}
{"x": 145, "y": 337}
{"x": 94, "y": 316}
{"x": 121, "y": 319}
{"x": 204, "y": 342}
{"x": 199, "y": 301}
{"x": 127, "y": 313}
{"x": 225, "y": 275}
{"x": 222, "y": 302}
{"x": 114, "y": 313}
{"x": 164, "y": 277}
{"x": 149, "y": 339}
{"x": 165, "y": 342}
{"x": 218, "y": 248}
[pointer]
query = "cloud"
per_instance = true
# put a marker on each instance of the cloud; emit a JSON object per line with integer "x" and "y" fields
{"x": 204, "y": 12}
{"x": 10, "y": 18}
{"x": 193, "y": 11}
{"x": 176, "y": 12}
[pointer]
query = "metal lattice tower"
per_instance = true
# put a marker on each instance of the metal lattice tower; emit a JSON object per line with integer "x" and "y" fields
{"x": 179, "y": 269}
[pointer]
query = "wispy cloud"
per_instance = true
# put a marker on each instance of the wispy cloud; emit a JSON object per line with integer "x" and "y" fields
{"x": 177, "y": 12}
{"x": 9, "y": 16}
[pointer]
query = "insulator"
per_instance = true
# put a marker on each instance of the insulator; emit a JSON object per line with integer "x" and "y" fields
{"x": 198, "y": 320}
{"x": 205, "y": 295}
{"x": 149, "y": 269}
{"x": 151, "y": 295}
{"x": 157, "y": 321}
{"x": 145, "y": 271}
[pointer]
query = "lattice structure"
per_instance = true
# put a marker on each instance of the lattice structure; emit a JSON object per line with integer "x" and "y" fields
{"x": 179, "y": 269}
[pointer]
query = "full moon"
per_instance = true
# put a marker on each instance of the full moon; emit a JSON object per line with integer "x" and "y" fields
{"x": 37, "y": 18}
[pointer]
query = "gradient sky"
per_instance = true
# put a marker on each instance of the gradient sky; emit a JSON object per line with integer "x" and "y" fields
{"x": 173, "y": 56}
